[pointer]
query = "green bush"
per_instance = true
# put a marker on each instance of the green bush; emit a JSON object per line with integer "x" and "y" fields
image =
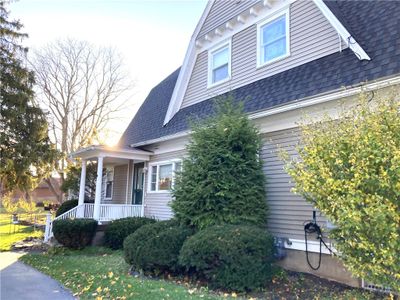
{"x": 66, "y": 206}
{"x": 222, "y": 179}
{"x": 74, "y": 233}
{"x": 154, "y": 248}
{"x": 232, "y": 257}
{"x": 350, "y": 170}
{"x": 118, "y": 230}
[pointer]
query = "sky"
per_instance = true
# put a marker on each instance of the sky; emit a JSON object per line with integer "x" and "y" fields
{"x": 151, "y": 35}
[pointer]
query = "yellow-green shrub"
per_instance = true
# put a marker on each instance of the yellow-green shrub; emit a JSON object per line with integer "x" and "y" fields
{"x": 350, "y": 170}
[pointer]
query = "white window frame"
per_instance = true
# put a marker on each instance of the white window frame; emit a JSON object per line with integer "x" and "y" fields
{"x": 158, "y": 164}
{"x": 286, "y": 13}
{"x": 112, "y": 183}
{"x": 211, "y": 52}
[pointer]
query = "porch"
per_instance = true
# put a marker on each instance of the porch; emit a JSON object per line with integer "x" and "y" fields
{"x": 118, "y": 196}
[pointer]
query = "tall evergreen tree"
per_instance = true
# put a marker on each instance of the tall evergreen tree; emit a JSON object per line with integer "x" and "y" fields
{"x": 27, "y": 155}
{"x": 222, "y": 180}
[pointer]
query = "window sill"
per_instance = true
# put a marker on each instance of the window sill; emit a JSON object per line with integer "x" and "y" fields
{"x": 159, "y": 192}
{"x": 259, "y": 66}
{"x": 212, "y": 85}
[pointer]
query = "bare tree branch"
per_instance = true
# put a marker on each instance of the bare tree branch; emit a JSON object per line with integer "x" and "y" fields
{"x": 83, "y": 88}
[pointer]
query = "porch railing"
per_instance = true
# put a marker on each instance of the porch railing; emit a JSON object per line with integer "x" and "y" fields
{"x": 108, "y": 212}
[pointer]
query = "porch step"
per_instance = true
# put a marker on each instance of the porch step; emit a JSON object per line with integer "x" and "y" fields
{"x": 99, "y": 235}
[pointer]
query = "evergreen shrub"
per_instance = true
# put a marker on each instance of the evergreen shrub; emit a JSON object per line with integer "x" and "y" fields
{"x": 222, "y": 179}
{"x": 74, "y": 233}
{"x": 154, "y": 248}
{"x": 232, "y": 257}
{"x": 118, "y": 230}
{"x": 66, "y": 206}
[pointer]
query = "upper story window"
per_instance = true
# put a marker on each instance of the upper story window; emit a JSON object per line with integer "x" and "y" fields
{"x": 273, "y": 39}
{"x": 162, "y": 176}
{"x": 219, "y": 64}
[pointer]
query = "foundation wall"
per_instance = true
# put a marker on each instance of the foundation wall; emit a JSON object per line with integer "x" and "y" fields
{"x": 331, "y": 268}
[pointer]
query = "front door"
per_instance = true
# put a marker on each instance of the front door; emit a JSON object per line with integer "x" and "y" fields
{"x": 138, "y": 183}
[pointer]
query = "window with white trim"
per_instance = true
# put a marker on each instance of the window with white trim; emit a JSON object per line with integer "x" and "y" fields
{"x": 109, "y": 183}
{"x": 162, "y": 176}
{"x": 273, "y": 39}
{"x": 219, "y": 64}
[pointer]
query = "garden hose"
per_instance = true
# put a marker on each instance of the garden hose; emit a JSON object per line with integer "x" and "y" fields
{"x": 310, "y": 228}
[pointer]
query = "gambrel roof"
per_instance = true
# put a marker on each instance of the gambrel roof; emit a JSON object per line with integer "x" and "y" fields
{"x": 374, "y": 24}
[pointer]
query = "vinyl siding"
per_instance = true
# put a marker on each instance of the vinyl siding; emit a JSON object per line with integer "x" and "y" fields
{"x": 220, "y": 13}
{"x": 287, "y": 211}
{"x": 311, "y": 37}
{"x": 119, "y": 184}
{"x": 157, "y": 204}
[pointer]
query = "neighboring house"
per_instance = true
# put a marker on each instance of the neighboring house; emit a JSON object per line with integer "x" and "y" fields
{"x": 284, "y": 58}
{"x": 42, "y": 193}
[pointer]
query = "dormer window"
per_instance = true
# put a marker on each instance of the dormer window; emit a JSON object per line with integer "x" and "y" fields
{"x": 219, "y": 64}
{"x": 273, "y": 39}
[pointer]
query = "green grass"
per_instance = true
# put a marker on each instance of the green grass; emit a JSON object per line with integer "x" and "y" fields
{"x": 10, "y": 234}
{"x": 99, "y": 273}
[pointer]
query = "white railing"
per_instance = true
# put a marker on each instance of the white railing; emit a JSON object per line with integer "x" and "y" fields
{"x": 108, "y": 212}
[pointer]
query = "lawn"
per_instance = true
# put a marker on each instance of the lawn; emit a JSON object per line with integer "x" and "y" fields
{"x": 10, "y": 233}
{"x": 99, "y": 273}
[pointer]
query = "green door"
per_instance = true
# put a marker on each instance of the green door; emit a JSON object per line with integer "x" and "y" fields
{"x": 138, "y": 183}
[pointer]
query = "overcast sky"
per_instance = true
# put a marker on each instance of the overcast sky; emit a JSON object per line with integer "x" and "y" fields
{"x": 151, "y": 35}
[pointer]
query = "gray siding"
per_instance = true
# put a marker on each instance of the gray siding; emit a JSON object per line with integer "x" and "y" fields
{"x": 220, "y": 13}
{"x": 311, "y": 37}
{"x": 119, "y": 185}
{"x": 287, "y": 211}
{"x": 157, "y": 204}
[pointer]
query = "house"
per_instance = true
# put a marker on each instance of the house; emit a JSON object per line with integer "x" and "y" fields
{"x": 285, "y": 58}
{"x": 42, "y": 193}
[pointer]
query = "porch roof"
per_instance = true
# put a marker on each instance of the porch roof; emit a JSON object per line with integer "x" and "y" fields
{"x": 95, "y": 151}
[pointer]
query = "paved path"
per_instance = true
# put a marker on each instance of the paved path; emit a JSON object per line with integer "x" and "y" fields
{"x": 21, "y": 282}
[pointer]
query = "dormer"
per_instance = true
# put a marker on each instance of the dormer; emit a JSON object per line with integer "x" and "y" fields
{"x": 240, "y": 42}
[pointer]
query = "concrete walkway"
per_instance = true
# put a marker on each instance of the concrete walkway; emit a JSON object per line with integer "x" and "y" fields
{"x": 21, "y": 282}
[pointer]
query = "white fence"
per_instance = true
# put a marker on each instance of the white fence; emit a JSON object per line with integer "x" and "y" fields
{"x": 108, "y": 212}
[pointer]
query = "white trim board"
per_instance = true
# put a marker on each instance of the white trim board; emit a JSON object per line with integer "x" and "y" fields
{"x": 294, "y": 105}
{"x": 342, "y": 31}
{"x": 186, "y": 69}
{"x": 312, "y": 246}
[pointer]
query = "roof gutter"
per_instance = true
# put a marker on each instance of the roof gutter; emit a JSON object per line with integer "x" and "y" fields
{"x": 296, "y": 104}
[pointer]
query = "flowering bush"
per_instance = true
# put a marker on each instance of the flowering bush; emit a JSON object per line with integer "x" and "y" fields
{"x": 350, "y": 170}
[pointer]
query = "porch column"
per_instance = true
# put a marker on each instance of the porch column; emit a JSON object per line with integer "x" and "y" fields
{"x": 82, "y": 184}
{"x": 97, "y": 199}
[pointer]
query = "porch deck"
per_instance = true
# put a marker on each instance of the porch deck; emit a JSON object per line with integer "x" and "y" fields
{"x": 108, "y": 212}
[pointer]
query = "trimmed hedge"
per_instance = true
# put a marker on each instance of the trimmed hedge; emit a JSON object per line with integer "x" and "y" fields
{"x": 74, "y": 233}
{"x": 155, "y": 248}
{"x": 232, "y": 257}
{"x": 66, "y": 206}
{"x": 118, "y": 230}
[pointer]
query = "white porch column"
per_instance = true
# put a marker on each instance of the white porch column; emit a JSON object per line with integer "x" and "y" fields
{"x": 82, "y": 185}
{"x": 97, "y": 199}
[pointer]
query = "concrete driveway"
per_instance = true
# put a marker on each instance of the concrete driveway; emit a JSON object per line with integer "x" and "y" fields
{"x": 21, "y": 282}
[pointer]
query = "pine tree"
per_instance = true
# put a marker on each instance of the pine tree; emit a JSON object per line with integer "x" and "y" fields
{"x": 222, "y": 180}
{"x": 27, "y": 155}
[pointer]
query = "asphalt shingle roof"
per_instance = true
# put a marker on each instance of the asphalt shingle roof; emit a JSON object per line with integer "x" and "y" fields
{"x": 374, "y": 24}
